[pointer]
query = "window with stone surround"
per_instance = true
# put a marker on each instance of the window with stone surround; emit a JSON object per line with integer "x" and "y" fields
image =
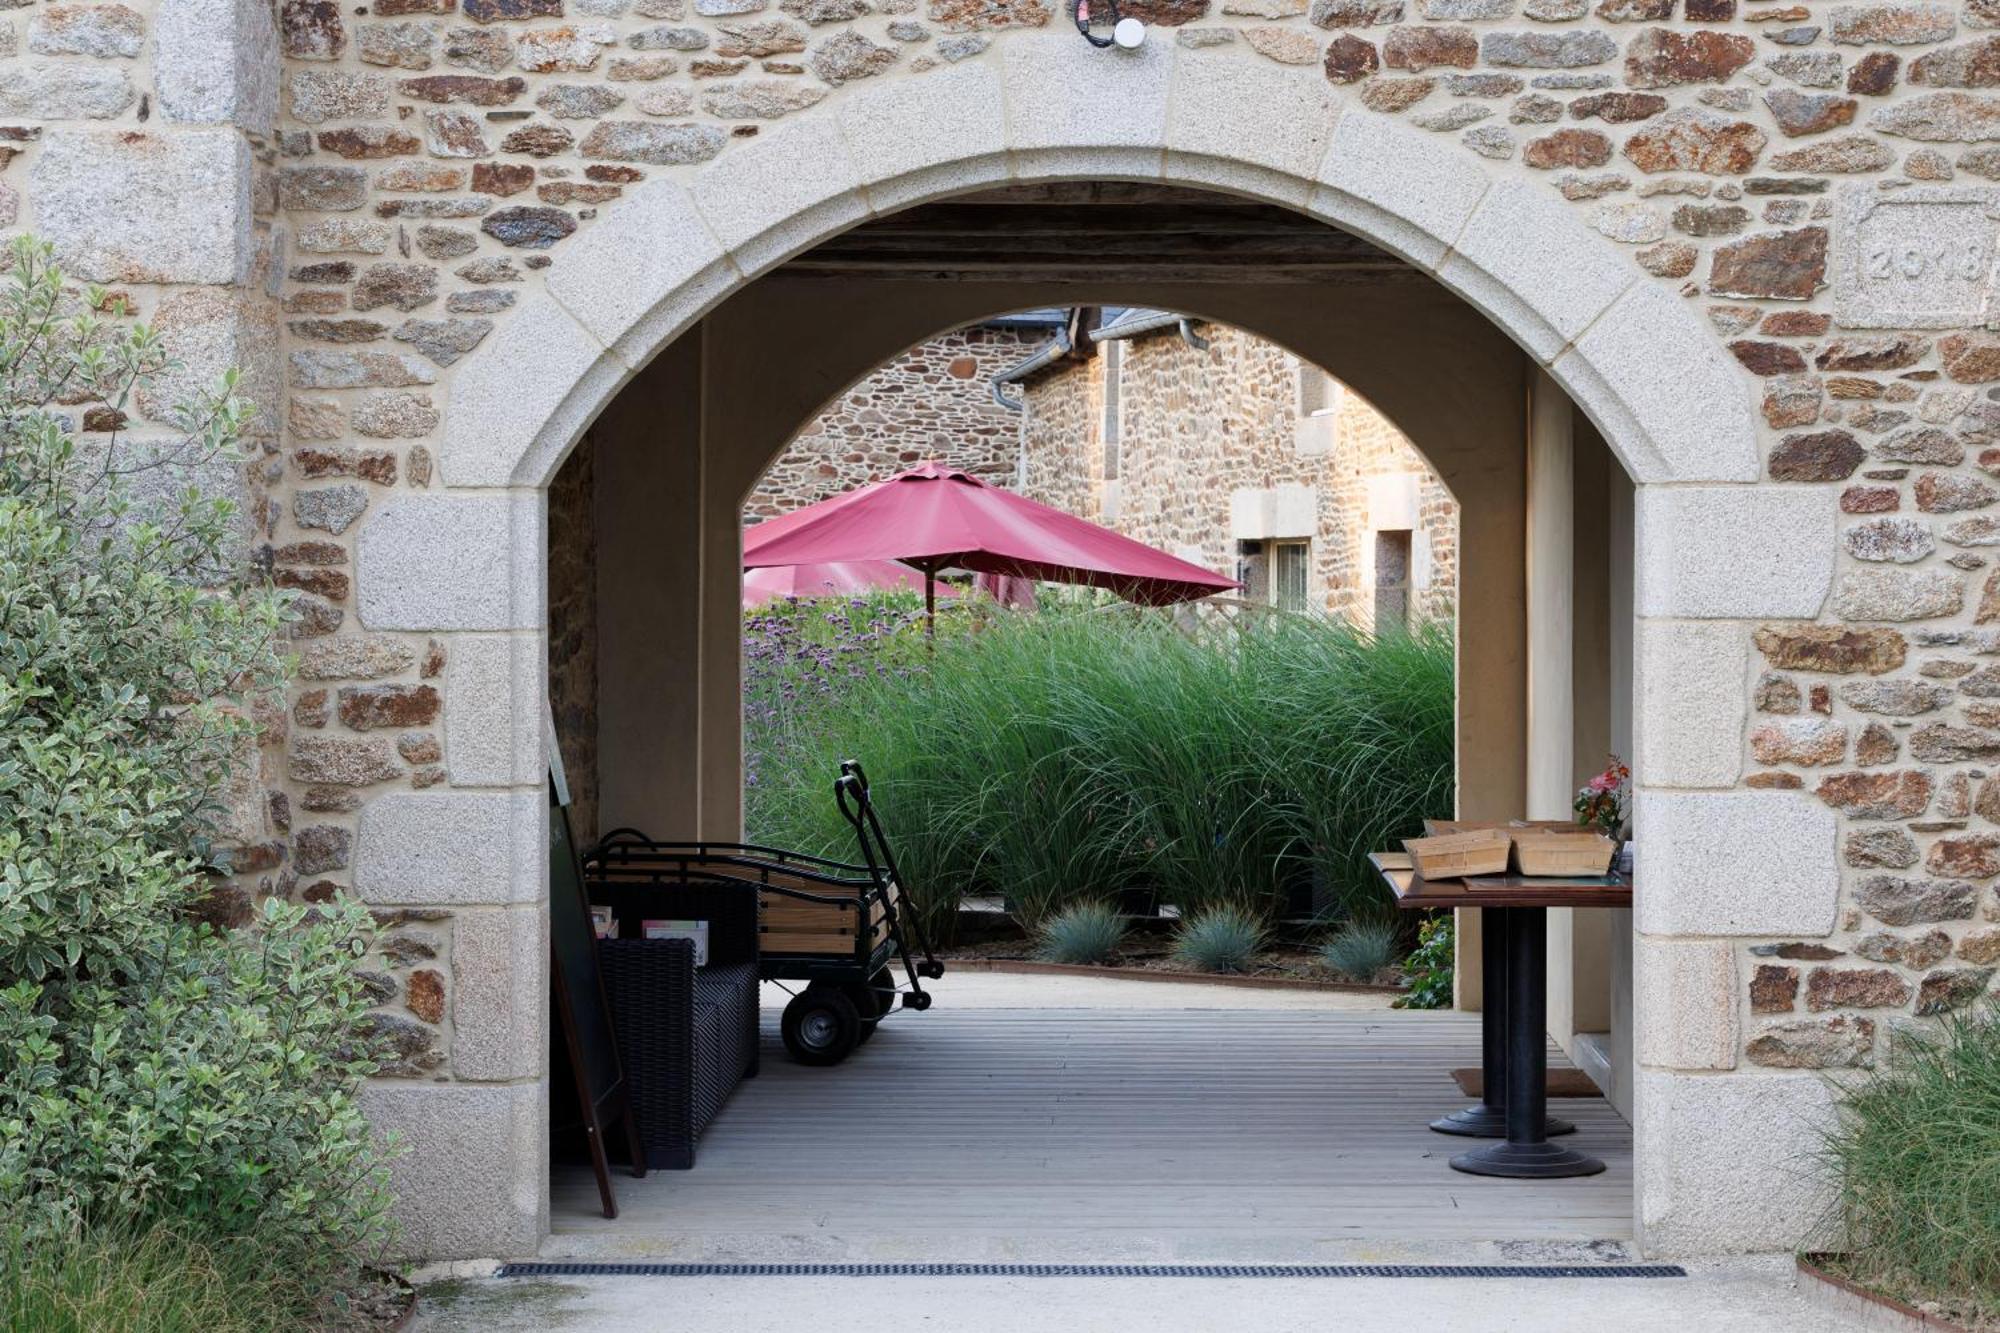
{"x": 1290, "y": 563}
{"x": 1392, "y": 577}
{"x": 1319, "y": 400}
{"x": 1277, "y": 573}
{"x": 1253, "y": 570}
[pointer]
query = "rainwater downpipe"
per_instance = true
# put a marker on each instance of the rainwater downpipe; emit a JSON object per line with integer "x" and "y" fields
{"x": 1048, "y": 354}
{"x": 1165, "y": 319}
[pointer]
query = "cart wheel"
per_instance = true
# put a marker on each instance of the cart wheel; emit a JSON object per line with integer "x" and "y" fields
{"x": 918, "y": 1000}
{"x": 933, "y": 969}
{"x": 873, "y": 1001}
{"x": 821, "y": 1026}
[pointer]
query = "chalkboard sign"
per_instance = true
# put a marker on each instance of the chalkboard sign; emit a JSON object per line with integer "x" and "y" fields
{"x": 582, "y": 1015}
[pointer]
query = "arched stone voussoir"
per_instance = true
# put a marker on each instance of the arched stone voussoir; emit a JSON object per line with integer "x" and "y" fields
{"x": 914, "y": 140}
{"x": 643, "y": 272}
{"x": 781, "y": 193}
{"x": 1238, "y": 122}
{"x": 1524, "y": 259}
{"x": 1076, "y": 112}
{"x": 1640, "y": 361}
{"x": 1662, "y": 388}
{"x": 1401, "y": 188}
{"x": 528, "y": 391}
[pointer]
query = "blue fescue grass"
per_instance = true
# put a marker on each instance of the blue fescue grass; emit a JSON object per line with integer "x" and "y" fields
{"x": 1222, "y": 938}
{"x": 1360, "y": 950}
{"x": 1085, "y": 932}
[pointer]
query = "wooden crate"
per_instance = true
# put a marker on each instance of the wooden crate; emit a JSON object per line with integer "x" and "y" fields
{"x": 1437, "y": 828}
{"x": 1456, "y": 855}
{"x": 1573, "y": 853}
{"x": 794, "y": 925}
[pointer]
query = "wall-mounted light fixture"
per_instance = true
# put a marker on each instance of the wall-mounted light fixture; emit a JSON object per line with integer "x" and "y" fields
{"x": 1126, "y": 34}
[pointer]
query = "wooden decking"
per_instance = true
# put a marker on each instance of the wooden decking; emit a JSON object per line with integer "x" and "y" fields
{"x": 1154, "y": 1133}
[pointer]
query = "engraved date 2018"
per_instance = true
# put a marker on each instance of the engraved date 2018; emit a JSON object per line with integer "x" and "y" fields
{"x": 1886, "y": 263}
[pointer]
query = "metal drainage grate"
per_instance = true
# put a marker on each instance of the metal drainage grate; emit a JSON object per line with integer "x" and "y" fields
{"x": 585, "y": 1269}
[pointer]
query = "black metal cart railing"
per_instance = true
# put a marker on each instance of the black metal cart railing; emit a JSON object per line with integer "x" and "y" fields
{"x": 844, "y": 929}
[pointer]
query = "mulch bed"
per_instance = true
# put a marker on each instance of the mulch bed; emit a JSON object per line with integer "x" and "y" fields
{"x": 1937, "y": 1316}
{"x": 1933, "y": 1315}
{"x": 378, "y": 1302}
{"x": 1281, "y": 962}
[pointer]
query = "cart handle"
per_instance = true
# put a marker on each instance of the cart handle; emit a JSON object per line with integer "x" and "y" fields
{"x": 853, "y": 782}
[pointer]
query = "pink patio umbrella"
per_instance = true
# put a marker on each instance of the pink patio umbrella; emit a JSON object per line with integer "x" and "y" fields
{"x": 936, "y": 517}
{"x": 829, "y": 579}
{"x": 850, "y": 576}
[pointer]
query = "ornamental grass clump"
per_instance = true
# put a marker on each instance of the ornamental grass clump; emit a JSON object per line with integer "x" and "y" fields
{"x": 1915, "y": 1161}
{"x": 1360, "y": 951}
{"x": 1090, "y": 752}
{"x": 1086, "y": 933}
{"x": 167, "y": 1050}
{"x": 1221, "y": 939}
{"x": 164, "y": 1278}
{"x": 1364, "y": 732}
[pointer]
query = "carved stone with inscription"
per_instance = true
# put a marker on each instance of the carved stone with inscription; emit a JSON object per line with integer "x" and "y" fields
{"x": 1916, "y": 259}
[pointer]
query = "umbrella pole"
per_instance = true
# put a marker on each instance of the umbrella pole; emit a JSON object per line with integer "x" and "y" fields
{"x": 930, "y": 607}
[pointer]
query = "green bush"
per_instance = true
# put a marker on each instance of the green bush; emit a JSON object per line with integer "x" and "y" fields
{"x": 1428, "y": 971}
{"x": 1084, "y": 753}
{"x": 1221, "y": 939}
{"x": 1915, "y": 1158}
{"x": 1360, "y": 950}
{"x": 152, "y": 1065}
{"x": 1082, "y": 933}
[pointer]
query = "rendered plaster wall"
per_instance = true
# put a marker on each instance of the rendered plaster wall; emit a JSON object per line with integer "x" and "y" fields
{"x": 745, "y": 421}
{"x": 650, "y": 549}
{"x": 1584, "y": 944}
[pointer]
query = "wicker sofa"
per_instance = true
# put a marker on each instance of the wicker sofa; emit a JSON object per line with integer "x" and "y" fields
{"x": 687, "y": 1035}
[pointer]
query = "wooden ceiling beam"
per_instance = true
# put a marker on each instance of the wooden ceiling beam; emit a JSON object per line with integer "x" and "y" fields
{"x": 1097, "y": 231}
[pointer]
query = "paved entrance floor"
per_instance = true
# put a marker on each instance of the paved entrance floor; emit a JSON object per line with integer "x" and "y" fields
{"x": 1046, "y": 1119}
{"x": 1051, "y": 1119}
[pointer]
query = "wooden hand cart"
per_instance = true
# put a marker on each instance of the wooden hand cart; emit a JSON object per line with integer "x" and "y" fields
{"x": 838, "y": 927}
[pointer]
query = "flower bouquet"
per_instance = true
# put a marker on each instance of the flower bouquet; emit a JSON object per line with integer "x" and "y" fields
{"x": 1600, "y": 805}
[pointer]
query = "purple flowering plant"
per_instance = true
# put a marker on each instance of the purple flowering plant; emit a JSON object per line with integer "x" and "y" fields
{"x": 799, "y": 653}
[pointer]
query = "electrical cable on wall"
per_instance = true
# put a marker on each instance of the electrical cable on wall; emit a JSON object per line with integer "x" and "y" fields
{"x": 1126, "y": 33}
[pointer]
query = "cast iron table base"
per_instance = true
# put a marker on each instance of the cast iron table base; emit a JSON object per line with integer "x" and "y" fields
{"x": 1526, "y": 1153}
{"x": 1487, "y": 1117}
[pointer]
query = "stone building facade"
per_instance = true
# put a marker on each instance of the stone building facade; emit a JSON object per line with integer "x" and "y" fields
{"x": 1753, "y": 241}
{"x": 934, "y": 401}
{"x": 1227, "y": 451}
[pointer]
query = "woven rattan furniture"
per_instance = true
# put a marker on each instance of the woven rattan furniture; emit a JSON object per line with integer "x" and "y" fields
{"x": 840, "y": 928}
{"x": 687, "y": 1035}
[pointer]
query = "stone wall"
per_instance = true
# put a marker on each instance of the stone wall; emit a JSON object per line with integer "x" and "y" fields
{"x": 573, "y": 632}
{"x": 1062, "y": 440}
{"x": 1197, "y": 427}
{"x": 415, "y": 224}
{"x": 935, "y": 401}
